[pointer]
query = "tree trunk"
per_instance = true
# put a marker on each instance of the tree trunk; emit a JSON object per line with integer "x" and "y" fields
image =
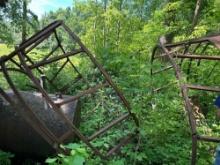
{"x": 196, "y": 14}
{"x": 104, "y": 27}
{"x": 119, "y": 27}
{"x": 24, "y": 20}
{"x": 94, "y": 26}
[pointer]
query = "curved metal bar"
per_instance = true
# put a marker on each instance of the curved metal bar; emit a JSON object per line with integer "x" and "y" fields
{"x": 167, "y": 49}
{"x": 187, "y": 104}
{"x": 194, "y": 149}
{"x": 152, "y": 59}
{"x": 183, "y": 88}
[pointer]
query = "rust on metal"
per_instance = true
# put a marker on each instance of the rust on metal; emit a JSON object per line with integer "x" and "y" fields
{"x": 193, "y": 50}
{"x": 19, "y": 61}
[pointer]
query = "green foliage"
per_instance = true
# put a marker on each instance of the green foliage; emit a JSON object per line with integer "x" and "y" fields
{"x": 5, "y": 158}
{"x": 4, "y": 49}
{"x": 77, "y": 156}
{"x": 15, "y": 21}
{"x": 122, "y": 34}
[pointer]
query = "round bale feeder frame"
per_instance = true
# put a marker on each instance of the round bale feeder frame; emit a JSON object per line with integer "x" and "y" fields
{"x": 55, "y": 106}
{"x": 196, "y": 51}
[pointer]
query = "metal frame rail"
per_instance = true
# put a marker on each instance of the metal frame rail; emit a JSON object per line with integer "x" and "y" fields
{"x": 188, "y": 50}
{"x": 25, "y": 65}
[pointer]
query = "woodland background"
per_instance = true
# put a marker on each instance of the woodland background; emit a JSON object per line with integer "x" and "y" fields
{"x": 122, "y": 34}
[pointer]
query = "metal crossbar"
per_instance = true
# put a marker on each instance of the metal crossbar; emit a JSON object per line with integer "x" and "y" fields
{"x": 27, "y": 66}
{"x": 167, "y": 50}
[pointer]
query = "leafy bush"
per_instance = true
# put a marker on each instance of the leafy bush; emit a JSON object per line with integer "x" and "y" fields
{"x": 5, "y": 158}
{"x": 77, "y": 156}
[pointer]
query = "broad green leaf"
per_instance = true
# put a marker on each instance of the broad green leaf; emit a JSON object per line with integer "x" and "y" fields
{"x": 51, "y": 160}
{"x": 72, "y": 146}
{"x": 78, "y": 160}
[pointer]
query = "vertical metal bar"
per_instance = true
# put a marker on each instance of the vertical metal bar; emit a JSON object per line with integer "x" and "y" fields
{"x": 194, "y": 149}
{"x": 152, "y": 59}
{"x": 183, "y": 88}
{"x": 187, "y": 104}
{"x": 151, "y": 69}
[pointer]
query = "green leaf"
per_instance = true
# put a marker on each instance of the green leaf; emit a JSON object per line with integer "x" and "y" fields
{"x": 81, "y": 150}
{"x": 78, "y": 160}
{"x": 117, "y": 162}
{"x": 72, "y": 146}
{"x": 61, "y": 155}
{"x": 73, "y": 152}
{"x": 51, "y": 160}
{"x": 62, "y": 146}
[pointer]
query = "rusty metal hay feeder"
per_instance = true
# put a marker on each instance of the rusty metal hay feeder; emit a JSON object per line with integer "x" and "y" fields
{"x": 175, "y": 54}
{"x": 20, "y": 61}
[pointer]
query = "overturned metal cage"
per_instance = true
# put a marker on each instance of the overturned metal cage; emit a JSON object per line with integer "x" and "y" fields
{"x": 23, "y": 61}
{"x": 171, "y": 57}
